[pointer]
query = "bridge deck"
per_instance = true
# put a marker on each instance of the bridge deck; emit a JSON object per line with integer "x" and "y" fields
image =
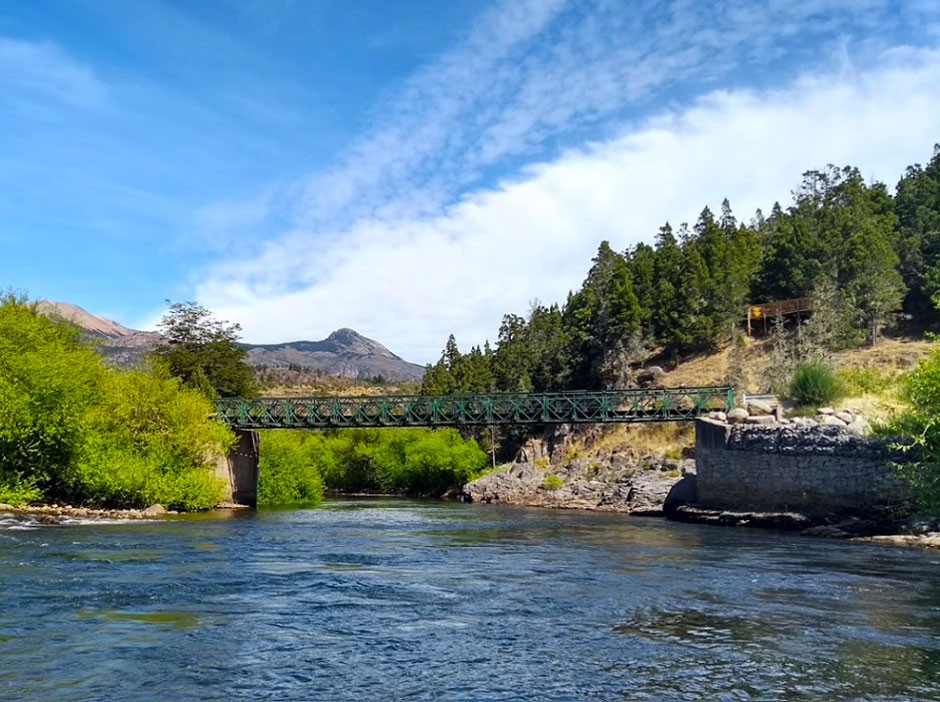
{"x": 608, "y": 406}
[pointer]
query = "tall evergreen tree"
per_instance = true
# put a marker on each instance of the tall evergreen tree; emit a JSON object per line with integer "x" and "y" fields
{"x": 917, "y": 203}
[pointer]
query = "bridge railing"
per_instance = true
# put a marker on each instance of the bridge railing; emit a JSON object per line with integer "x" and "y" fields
{"x": 605, "y": 406}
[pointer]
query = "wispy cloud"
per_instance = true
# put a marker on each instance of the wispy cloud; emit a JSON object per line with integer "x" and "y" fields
{"x": 43, "y": 69}
{"x": 531, "y": 73}
{"x": 409, "y": 280}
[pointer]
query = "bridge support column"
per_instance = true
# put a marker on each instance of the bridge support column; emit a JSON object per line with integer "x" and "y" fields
{"x": 240, "y": 469}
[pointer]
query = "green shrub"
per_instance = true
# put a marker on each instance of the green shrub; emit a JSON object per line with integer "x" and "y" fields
{"x": 148, "y": 439}
{"x": 288, "y": 470}
{"x": 867, "y": 379}
{"x": 815, "y": 384}
{"x": 551, "y": 482}
{"x": 400, "y": 461}
{"x": 48, "y": 381}
{"x": 921, "y": 427}
{"x": 18, "y": 493}
{"x": 72, "y": 429}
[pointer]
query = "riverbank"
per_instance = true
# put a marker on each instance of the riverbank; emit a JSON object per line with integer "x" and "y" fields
{"x": 64, "y": 514}
{"x": 624, "y": 481}
{"x": 644, "y": 483}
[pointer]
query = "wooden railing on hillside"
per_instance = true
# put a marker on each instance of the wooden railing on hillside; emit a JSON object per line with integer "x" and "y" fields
{"x": 763, "y": 315}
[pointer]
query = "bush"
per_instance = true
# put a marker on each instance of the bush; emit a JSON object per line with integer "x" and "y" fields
{"x": 814, "y": 384}
{"x": 551, "y": 482}
{"x": 867, "y": 379}
{"x": 72, "y": 429}
{"x": 288, "y": 471}
{"x": 399, "y": 461}
{"x": 148, "y": 439}
{"x": 920, "y": 425}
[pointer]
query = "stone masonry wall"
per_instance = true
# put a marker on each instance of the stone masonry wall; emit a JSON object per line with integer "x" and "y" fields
{"x": 820, "y": 468}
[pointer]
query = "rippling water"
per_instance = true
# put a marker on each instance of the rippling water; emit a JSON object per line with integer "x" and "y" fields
{"x": 402, "y": 600}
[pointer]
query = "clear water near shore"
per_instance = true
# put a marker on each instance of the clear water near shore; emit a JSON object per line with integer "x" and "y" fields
{"x": 393, "y": 599}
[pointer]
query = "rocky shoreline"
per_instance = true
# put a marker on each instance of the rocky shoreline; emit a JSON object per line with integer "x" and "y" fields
{"x": 623, "y": 481}
{"x": 51, "y": 515}
{"x": 629, "y": 482}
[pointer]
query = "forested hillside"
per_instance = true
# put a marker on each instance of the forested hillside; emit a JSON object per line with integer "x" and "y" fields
{"x": 870, "y": 257}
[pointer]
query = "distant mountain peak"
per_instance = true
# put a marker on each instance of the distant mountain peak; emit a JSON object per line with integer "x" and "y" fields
{"x": 344, "y": 353}
{"x": 346, "y": 340}
{"x": 97, "y": 326}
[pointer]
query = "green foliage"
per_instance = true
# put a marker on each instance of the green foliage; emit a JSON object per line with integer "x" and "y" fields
{"x": 48, "y": 382}
{"x": 410, "y": 461}
{"x": 845, "y": 242}
{"x": 72, "y": 429}
{"x": 18, "y": 493}
{"x": 917, "y": 204}
{"x": 203, "y": 352}
{"x": 867, "y": 379}
{"x": 552, "y": 482}
{"x": 828, "y": 330}
{"x": 289, "y": 469}
{"x": 149, "y": 440}
{"x": 921, "y": 427}
{"x": 814, "y": 384}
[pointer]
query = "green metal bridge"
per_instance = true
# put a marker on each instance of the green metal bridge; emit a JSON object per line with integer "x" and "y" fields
{"x": 581, "y": 407}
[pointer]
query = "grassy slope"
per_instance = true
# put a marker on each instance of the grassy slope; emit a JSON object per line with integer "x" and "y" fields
{"x": 886, "y": 360}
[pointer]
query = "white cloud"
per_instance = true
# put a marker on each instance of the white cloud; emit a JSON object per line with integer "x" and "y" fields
{"x": 531, "y": 71}
{"x": 410, "y": 281}
{"x": 44, "y": 68}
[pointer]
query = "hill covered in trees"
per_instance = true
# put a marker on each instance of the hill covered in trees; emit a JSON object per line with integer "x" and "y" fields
{"x": 869, "y": 256}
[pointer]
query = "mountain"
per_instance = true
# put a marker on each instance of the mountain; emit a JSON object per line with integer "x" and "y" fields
{"x": 92, "y": 324}
{"x": 344, "y": 353}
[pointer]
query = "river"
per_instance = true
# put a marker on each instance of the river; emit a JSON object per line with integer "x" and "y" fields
{"x": 404, "y": 600}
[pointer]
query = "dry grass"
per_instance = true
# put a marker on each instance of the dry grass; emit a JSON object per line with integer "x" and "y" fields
{"x": 894, "y": 354}
{"x": 331, "y": 389}
{"x": 712, "y": 368}
{"x": 668, "y": 439}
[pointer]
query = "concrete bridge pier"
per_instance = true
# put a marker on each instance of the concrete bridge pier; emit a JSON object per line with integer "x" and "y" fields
{"x": 239, "y": 469}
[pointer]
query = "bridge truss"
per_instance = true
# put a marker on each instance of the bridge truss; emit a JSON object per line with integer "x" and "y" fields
{"x": 581, "y": 407}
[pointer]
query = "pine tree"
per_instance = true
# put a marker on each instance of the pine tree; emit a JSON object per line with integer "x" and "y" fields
{"x": 917, "y": 203}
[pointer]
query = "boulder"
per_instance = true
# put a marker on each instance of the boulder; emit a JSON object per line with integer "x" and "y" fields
{"x": 650, "y": 376}
{"x": 156, "y": 510}
{"x": 826, "y": 531}
{"x": 859, "y": 426}
{"x": 759, "y": 407}
{"x": 845, "y": 416}
{"x": 761, "y": 419}
{"x": 719, "y": 416}
{"x": 825, "y": 411}
{"x": 737, "y": 415}
{"x": 829, "y": 420}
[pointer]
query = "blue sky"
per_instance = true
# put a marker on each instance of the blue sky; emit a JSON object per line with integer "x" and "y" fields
{"x": 415, "y": 168}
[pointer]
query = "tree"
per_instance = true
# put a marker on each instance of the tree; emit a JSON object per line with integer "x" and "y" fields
{"x": 917, "y": 204}
{"x": 668, "y": 276}
{"x": 203, "y": 352}
{"x": 604, "y": 321}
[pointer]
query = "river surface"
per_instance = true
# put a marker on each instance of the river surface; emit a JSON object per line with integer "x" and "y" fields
{"x": 402, "y": 600}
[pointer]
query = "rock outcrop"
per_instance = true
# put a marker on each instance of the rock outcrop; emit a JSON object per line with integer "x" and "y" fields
{"x": 622, "y": 482}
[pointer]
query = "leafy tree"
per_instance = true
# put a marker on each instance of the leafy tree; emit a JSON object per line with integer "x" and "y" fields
{"x": 73, "y": 429}
{"x": 203, "y": 352}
